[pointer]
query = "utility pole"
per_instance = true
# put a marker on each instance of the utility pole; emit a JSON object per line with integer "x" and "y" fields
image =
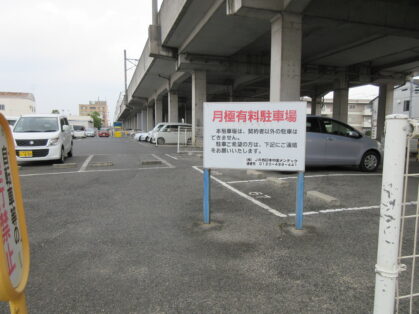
{"x": 125, "y": 76}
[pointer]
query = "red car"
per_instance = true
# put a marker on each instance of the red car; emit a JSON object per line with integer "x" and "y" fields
{"x": 103, "y": 133}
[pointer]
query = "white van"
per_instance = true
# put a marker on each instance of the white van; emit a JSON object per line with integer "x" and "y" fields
{"x": 168, "y": 134}
{"x": 42, "y": 137}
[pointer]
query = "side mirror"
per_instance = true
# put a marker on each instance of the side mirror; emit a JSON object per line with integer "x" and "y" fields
{"x": 66, "y": 128}
{"x": 353, "y": 134}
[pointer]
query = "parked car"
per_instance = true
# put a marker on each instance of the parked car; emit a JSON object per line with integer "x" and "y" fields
{"x": 168, "y": 134}
{"x": 333, "y": 143}
{"x": 137, "y": 135}
{"x": 90, "y": 132}
{"x": 150, "y": 134}
{"x": 103, "y": 133}
{"x": 12, "y": 120}
{"x": 79, "y": 131}
{"x": 42, "y": 137}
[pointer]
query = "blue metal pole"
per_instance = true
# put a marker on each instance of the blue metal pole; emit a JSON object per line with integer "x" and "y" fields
{"x": 207, "y": 192}
{"x": 300, "y": 202}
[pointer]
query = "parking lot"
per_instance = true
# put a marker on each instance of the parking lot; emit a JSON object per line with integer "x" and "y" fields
{"x": 118, "y": 228}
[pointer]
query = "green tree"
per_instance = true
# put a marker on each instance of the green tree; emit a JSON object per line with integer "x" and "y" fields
{"x": 97, "y": 121}
{"x": 55, "y": 111}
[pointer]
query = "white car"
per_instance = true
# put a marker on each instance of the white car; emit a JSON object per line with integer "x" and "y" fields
{"x": 150, "y": 134}
{"x": 169, "y": 134}
{"x": 42, "y": 137}
{"x": 137, "y": 136}
{"x": 79, "y": 131}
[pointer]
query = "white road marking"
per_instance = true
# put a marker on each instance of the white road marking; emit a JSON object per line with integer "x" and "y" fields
{"x": 310, "y": 176}
{"x": 163, "y": 161}
{"x": 90, "y": 171}
{"x": 246, "y": 181}
{"x": 260, "y": 204}
{"x": 86, "y": 163}
{"x": 171, "y": 156}
{"x": 337, "y": 210}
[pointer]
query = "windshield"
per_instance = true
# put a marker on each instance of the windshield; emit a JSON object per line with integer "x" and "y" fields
{"x": 78, "y": 128}
{"x": 36, "y": 124}
{"x": 90, "y": 130}
{"x": 158, "y": 127}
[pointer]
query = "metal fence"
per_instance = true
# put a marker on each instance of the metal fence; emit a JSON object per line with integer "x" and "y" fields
{"x": 397, "y": 283}
{"x": 186, "y": 141}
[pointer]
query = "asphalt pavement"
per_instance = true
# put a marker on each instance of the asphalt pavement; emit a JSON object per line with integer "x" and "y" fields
{"x": 119, "y": 230}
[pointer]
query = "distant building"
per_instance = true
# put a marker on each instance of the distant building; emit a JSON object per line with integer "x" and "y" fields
{"x": 85, "y": 121}
{"x": 99, "y": 106}
{"x": 359, "y": 113}
{"x": 16, "y": 104}
{"x": 406, "y": 100}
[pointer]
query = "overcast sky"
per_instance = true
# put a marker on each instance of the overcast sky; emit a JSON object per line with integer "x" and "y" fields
{"x": 69, "y": 52}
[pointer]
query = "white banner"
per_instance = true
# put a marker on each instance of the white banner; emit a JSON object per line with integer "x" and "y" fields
{"x": 257, "y": 135}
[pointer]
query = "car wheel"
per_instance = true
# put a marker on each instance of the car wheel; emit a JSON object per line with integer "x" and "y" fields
{"x": 62, "y": 157}
{"x": 146, "y": 139}
{"x": 370, "y": 161}
{"x": 160, "y": 141}
{"x": 70, "y": 153}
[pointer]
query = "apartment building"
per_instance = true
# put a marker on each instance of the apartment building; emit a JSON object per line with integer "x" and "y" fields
{"x": 99, "y": 106}
{"x": 16, "y": 104}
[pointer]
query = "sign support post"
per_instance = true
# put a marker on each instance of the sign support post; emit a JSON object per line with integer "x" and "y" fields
{"x": 18, "y": 306}
{"x": 207, "y": 198}
{"x": 300, "y": 201}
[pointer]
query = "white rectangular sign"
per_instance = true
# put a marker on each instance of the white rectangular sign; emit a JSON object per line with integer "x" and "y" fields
{"x": 257, "y": 135}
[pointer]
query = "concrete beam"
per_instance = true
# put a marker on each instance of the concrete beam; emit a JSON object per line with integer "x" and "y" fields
{"x": 252, "y": 65}
{"x": 156, "y": 48}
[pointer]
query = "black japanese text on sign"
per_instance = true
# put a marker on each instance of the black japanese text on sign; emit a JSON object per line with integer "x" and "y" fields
{"x": 269, "y": 136}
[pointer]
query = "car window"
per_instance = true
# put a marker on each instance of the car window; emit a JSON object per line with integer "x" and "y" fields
{"x": 337, "y": 128}
{"x": 313, "y": 125}
{"x": 172, "y": 128}
{"x": 78, "y": 128}
{"x": 36, "y": 124}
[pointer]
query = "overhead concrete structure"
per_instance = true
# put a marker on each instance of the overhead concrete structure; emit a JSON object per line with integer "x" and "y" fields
{"x": 253, "y": 50}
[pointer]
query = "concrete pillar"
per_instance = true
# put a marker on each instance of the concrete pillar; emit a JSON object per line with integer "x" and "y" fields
{"x": 150, "y": 122}
{"x": 144, "y": 119}
{"x": 286, "y": 38}
{"x": 340, "y": 97}
{"x": 199, "y": 96}
{"x": 139, "y": 121}
{"x": 158, "y": 110}
{"x": 385, "y": 107}
{"x": 173, "y": 106}
{"x": 316, "y": 106}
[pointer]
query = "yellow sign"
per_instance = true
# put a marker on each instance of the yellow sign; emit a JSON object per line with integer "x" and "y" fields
{"x": 117, "y": 133}
{"x": 14, "y": 242}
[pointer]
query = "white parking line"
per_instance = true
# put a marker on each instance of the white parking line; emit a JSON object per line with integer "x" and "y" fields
{"x": 86, "y": 163}
{"x": 337, "y": 210}
{"x": 312, "y": 176}
{"x": 163, "y": 161}
{"x": 246, "y": 181}
{"x": 171, "y": 156}
{"x": 90, "y": 171}
{"x": 255, "y": 201}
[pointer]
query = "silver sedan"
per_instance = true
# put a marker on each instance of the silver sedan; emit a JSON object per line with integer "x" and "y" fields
{"x": 333, "y": 143}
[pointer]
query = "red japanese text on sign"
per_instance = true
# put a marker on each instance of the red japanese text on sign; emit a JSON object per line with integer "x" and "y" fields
{"x": 264, "y": 116}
